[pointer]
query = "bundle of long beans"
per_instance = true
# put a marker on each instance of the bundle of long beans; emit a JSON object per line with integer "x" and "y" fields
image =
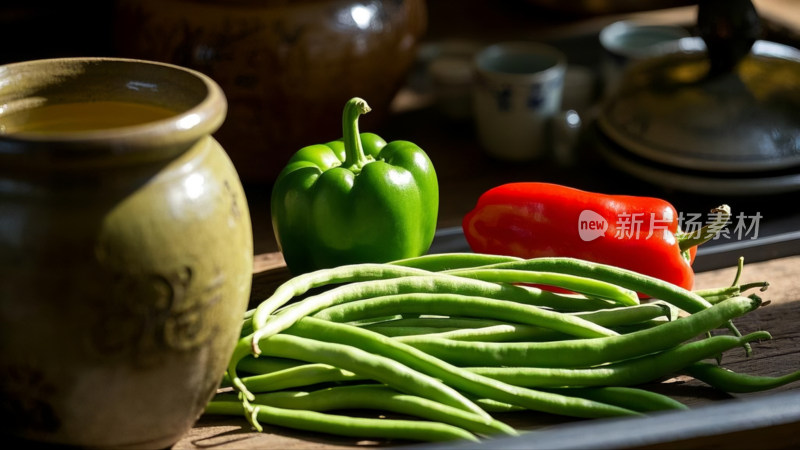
{"x": 448, "y": 340}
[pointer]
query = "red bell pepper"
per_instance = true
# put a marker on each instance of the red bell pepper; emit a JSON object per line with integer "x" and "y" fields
{"x": 642, "y": 234}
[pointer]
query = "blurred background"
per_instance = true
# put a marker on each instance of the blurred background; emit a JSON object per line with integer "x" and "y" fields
{"x": 287, "y": 68}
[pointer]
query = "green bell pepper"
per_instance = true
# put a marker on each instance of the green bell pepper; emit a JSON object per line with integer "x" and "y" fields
{"x": 354, "y": 200}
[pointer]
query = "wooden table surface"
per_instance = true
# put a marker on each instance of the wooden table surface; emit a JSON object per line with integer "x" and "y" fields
{"x": 465, "y": 172}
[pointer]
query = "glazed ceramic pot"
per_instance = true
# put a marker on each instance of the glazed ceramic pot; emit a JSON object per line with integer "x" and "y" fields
{"x": 125, "y": 251}
{"x": 286, "y": 67}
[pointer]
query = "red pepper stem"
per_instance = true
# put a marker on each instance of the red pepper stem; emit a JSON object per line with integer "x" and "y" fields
{"x": 721, "y": 216}
{"x": 355, "y": 158}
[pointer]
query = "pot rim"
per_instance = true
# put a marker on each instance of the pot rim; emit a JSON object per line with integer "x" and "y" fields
{"x": 488, "y": 62}
{"x": 202, "y": 117}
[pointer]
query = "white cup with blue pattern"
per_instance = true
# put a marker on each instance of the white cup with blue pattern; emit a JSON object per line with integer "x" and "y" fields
{"x": 516, "y": 97}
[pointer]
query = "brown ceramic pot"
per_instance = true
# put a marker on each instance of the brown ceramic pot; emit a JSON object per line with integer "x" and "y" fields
{"x": 286, "y": 67}
{"x": 125, "y": 251}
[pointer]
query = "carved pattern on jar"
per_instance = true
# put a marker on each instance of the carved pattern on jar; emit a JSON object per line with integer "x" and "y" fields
{"x": 149, "y": 316}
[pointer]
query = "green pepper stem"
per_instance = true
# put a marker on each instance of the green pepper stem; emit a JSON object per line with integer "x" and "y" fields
{"x": 705, "y": 234}
{"x": 355, "y": 158}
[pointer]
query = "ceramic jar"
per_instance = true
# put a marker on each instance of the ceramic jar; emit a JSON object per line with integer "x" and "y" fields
{"x": 125, "y": 254}
{"x": 287, "y": 68}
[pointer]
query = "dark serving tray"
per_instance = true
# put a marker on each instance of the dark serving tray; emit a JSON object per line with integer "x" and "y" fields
{"x": 730, "y": 425}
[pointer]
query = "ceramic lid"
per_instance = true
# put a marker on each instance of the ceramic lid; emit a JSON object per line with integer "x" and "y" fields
{"x": 668, "y": 110}
{"x": 722, "y": 102}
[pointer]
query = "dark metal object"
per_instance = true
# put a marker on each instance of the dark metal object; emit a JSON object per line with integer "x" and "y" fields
{"x": 729, "y": 29}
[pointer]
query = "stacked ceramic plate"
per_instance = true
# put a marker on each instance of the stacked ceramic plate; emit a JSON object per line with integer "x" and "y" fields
{"x": 677, "y": 123}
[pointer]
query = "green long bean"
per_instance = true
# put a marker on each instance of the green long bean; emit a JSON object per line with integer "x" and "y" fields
{"x": 255, "y": 365}
{"x": 448, "y": 321}
{"x": 716, "y": 295}
{"x": 360, "y": 427}
{"x": 463, "y": 328}
{"x": 381, "y": 398}
{"x": 587, "y": 352}
{"x": 361, "y": 363}
{"x": 591, "y": 287}
{"x": 647, "y": 285}
{"x": 298, "y": 376}
{"x": 400, "y": 332}
{"x": 629, "y": 315}
{"x": 630, "y": 372}
{"x": 496, "y": 406}
{"x": 496, "y": 333}
{"x": 636, "y": 399}
{"x": 266, "y": 325}
{"x": 437, "y": 262}
{"x": 512, "y": 346}
{"x": 473, "y": 306}
{"x": 488, "y": 330}
{"x": 303, "y": 283}
{"x": 735, "y": 382}
{"x": 465, "y": 381}
{"x": 505, "y": 332}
